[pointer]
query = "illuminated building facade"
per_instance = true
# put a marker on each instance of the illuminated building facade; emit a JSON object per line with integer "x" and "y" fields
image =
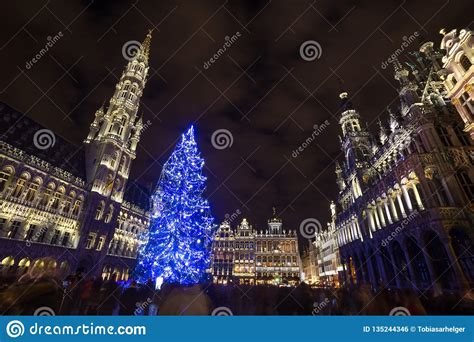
{"x": 257, "y": 257}
{"x": 459, "y": 79}
{"x": 404, "y": 213}
{"x": 277, "y": 256}
{"x": 244, "y": 253}
{"x": 327, "y": 256}
{"x": 309, "y": 264}
{"x": 73, "y": 207}
{"x": 222, "y": 261}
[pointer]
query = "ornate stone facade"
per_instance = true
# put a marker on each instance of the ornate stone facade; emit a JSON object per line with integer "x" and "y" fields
{"x": 73, "y": 207}
{"x": 459, "y": 73}
{"x": 249, "y": 256}
{"x": 404, "y": 214}
{"x": 327, "y": 253}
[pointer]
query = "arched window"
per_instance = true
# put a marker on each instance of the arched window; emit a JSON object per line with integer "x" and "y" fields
{"x": 465, "y": 62}
{"x": 47, "y": 194}
{"x": 462, "y": 136}
{"x": 466, "y": 184}
{"x": 77, "y": 205}
{"x": 20, "y": 185}
{"x": 58, "y": 195}
{"x": 5, "y": 177}
{"x": 444, "y": 135}
{"x": 100, "y": 210}
{"x": 110, "y": 214}
{"x": 33, "y": 189}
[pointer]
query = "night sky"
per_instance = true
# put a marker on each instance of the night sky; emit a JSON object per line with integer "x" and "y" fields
{"x": 260, "y": 90}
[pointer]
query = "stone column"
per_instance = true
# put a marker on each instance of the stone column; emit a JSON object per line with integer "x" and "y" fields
{"x": 417, "y": 196}
{"x": 358, "y": 230}
{"x": 370, "y": 269}
{"x": 387, "y": 211}
{"x": 377, "y": 221}
{"x": 394, "y": 208}
{"x": 413, "y": 275}
{"x": 434, "y": 281}
{"x": 407, "y": 197}
{"x": 400, "y": 203}
{"x": 371, "y": 219}
{"x": 396, "y": 271}
{"x": 381, "y": 268}
{"x": 382, "y": 218}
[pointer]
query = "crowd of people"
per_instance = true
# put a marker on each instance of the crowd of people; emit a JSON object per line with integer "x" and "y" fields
{"x": 79, "y": 294}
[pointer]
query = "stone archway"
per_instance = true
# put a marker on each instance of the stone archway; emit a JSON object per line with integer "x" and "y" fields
{"x": 387, "y": 264}
{"x": 444, "y": 273}
{"x": 401, "y": 266}
{"x": 418, "y": 263}
{"x": 464, "y": 251}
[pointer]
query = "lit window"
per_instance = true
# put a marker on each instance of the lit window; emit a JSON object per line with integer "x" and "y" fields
{"x": 55, "y": 238}
{"x": 101, "y": 243}
{"x": 91, "y": 240}
{"x": 465, "y": 62}
{"x": 14, "y": 229}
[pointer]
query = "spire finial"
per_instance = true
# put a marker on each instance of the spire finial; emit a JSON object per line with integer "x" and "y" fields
{"x": 274, "y": 211}
{"x": 146, "y": 44}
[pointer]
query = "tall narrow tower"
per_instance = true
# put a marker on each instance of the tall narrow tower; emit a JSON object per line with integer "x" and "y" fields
{"x": 357, "y": 147}
{"x": 110, "y": 147}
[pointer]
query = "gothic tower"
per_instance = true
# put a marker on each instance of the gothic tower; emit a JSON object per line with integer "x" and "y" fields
{"x": 110, "y": 147}
{"x": 356, "y": 144}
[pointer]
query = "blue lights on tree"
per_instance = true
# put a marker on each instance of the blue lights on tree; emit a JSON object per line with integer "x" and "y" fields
{"x": 181, "y": 232}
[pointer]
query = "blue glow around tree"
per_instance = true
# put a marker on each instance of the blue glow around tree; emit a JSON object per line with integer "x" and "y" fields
{"x": 181, "y": 232}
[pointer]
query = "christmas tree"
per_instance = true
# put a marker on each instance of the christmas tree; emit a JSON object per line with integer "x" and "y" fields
{"x": 181, "y": 232}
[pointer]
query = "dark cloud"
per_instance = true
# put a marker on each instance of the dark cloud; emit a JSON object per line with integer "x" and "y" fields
{"x": 258, "y": 171}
